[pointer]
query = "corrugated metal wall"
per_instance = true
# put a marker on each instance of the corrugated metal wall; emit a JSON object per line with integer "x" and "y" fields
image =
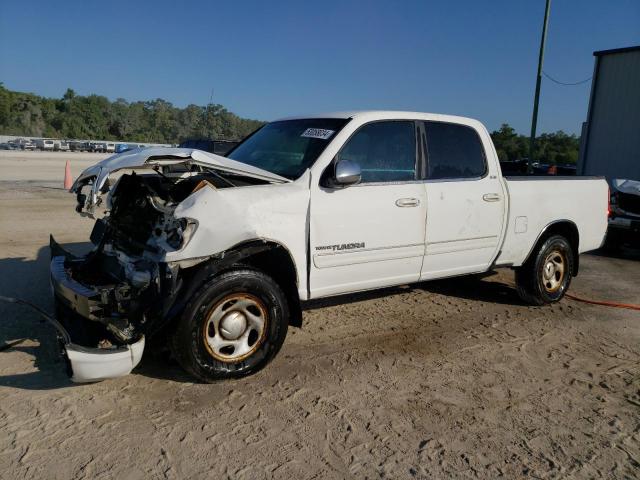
{"x": 612, "y": 147}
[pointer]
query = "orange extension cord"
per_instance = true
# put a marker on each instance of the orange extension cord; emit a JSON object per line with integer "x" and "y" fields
{"x": 577, "y": 298}
{"x": 629, "y": 306}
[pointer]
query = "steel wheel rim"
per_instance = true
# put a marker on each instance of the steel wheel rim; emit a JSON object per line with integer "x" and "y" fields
{"x": 235, "y": 327}
{"x": 553, "y": 271}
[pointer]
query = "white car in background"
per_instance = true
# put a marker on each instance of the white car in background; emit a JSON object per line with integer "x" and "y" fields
{"x": 45, "y": 144}
{"x": 218, "y": 253}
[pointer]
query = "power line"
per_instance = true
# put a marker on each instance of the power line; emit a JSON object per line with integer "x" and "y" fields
{"x": 563, "y": 83}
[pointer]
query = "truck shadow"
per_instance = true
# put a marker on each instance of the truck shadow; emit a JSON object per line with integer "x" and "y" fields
{"x": 354, "y": 298}
{"x": 476, "y": 288}
{"x": 28, "y": 279}
{"x": 43, "y": 367}
{"x": 473, "y": 287}
{"x": 625, "y": 252}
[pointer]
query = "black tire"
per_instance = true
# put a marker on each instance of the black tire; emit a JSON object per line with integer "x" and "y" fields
{"x": 546, "y": 275}
{"x": 242, "y": 293}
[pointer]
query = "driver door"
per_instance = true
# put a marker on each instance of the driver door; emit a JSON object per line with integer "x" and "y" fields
{"x": 371, "y": 234}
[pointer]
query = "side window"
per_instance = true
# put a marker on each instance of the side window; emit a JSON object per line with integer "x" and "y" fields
{"x": 453, "y": 151}
{"x": 385, "y": 151}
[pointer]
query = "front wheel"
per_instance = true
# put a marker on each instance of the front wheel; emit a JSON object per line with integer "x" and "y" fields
{"x": 546, "y": 275}
{"x": 233, "y": 326}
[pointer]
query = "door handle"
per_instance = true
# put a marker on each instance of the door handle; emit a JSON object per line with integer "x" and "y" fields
{"x": 407, "y": 202}
{"x": 491, "y": 197}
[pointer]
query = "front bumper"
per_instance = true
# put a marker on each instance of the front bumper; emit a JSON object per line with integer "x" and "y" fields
{"x": 95, "y": 364}
{"x": 78, "y": 311}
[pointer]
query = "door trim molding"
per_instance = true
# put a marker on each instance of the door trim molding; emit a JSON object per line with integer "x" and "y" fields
{"x": 450, "y": 246}
{"x": 368, "y": 255}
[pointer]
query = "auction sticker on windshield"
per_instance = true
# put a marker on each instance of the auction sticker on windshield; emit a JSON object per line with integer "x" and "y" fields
{"x": 317, "y": 133}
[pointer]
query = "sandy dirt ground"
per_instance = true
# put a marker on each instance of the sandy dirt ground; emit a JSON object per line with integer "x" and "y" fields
{"x": 448, "y": 379}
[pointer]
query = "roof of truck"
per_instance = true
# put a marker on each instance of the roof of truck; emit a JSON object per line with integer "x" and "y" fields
{"x": 385, "y": 114}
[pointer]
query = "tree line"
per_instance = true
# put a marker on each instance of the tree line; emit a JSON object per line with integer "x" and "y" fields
{"x": 96, "y": 117}
{"x": 158, "y": 121}
{"x": 552, "y": 148}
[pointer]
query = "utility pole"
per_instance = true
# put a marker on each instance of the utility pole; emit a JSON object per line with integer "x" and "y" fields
{"x": 205, "y": 114}
{"x": 536, "y": 99}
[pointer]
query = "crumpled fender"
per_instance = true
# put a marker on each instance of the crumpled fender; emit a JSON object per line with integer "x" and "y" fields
{"x": 231, "y": 216}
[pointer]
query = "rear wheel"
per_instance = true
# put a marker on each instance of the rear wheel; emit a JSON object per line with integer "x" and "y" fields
{"x": 232, "y": 327}
{"x": 546, "y": 275}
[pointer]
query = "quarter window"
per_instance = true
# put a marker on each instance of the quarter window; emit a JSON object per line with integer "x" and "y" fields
{"x": 385, "y": 151}
{"x": 453, "y": 151}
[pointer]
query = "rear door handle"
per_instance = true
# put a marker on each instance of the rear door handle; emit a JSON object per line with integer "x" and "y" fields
{"x": 407, "y": 202}
{"x": 491, "y": 197}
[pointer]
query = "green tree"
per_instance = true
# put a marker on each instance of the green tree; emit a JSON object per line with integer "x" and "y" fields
{"x": 94, "y": 116}
{"x": 553, "y": 148}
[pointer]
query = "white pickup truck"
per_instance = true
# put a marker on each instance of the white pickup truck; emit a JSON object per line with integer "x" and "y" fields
{"x": 217, "y": 254}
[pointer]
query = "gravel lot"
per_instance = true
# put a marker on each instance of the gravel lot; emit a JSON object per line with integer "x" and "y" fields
{"x": 453, "y": 378}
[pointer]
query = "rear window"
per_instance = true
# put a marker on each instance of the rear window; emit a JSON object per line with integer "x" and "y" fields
{"x": 453, "y": 151}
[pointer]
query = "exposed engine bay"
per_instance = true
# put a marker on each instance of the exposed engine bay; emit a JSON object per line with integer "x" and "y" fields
{"x": 130, "y": 289}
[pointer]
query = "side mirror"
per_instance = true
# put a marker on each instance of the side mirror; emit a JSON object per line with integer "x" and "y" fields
{"x": 347, "y": 173}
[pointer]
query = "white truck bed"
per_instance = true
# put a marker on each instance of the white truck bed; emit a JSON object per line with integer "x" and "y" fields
{"x": 581, "y": 200}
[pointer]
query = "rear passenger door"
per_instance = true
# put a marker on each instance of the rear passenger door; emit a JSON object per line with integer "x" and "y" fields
{"x": 371, "y": 234}
{"x": 465, "y": 202}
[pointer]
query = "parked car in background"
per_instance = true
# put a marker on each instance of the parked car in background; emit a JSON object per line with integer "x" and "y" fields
{"x": 100, "y": 147}
{"x": 624, "y": 214}
{"x": 219, "y": 147}
{"x": 77, "y": 146}
{"x": 45, "y": 144}
{"x": 519, "y": 167}
{"x": 110, "y": 147}
{"x": 24, "y": 144}
{"x": 124, "y": 147}
{"x": 63, "y": 146}
{"x": 514, "y": 167}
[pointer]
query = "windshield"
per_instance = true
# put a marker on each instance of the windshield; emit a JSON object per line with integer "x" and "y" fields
{"x": 287, "y": 148}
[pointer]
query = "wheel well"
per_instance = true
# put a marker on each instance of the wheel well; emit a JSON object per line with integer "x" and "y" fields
{"x": 278, "y": 264}
{"x": 269, "y": 257}
{"x": 568, "y": 230}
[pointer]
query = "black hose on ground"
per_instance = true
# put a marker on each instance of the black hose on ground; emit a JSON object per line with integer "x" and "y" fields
{"x": 61, "y": 330}
{"x": 7, "y": 346}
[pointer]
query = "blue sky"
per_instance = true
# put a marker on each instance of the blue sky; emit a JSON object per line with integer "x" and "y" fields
{"x": 271, "y": 59}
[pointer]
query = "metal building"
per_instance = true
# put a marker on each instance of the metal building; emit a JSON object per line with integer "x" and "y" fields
{"x": 610, "y": 143}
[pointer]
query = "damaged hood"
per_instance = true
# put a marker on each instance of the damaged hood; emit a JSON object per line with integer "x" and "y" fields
{"x": 159, "y": 156}
{"x": 624, "y": 185}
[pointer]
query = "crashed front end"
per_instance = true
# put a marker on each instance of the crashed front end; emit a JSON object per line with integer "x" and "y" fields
{"x": 127, "y": 288}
